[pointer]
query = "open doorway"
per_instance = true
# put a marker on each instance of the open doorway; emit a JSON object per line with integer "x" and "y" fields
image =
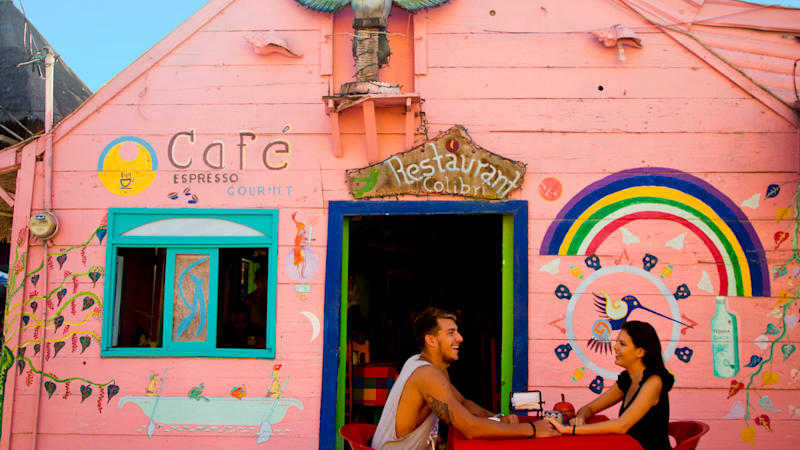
{"x": 460, "y": 215}
{"x": 399, "y": 265}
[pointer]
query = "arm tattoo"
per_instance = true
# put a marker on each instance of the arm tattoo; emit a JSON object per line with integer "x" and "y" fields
{"x": 440, "y": 409}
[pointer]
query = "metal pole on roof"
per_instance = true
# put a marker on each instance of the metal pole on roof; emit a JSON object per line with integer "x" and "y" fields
{"x": 49, "y": 63}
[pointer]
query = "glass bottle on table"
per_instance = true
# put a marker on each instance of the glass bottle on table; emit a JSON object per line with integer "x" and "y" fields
{"x": 724, "y": 341}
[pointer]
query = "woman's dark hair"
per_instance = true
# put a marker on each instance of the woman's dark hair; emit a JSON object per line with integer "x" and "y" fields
{"x": 427, "y": 322}
{"x": 644, "y": 336}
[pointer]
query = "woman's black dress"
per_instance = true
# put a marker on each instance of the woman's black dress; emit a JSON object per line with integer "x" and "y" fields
{"x": 652, "y": 430}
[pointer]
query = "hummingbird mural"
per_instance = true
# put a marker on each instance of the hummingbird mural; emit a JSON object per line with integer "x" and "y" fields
{"x": 370, "y": 46}
{"x": 617, "y": 311}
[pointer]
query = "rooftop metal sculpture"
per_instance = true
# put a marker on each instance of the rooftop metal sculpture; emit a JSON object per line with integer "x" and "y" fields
{"x": 370, "y": 46}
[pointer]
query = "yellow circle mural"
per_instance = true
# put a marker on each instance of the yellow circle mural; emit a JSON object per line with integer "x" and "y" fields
{"x": 127, "y": 177}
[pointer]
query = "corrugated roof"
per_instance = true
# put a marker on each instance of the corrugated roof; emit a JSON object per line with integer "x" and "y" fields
{"x": 22, "y": 89}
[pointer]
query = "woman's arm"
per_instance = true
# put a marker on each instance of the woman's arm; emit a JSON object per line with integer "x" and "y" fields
{"x": 647, "y": 398}
{"x": 603, "y": 401}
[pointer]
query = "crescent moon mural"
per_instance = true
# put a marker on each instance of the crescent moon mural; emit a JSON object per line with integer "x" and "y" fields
{"x": 314, "y": 324}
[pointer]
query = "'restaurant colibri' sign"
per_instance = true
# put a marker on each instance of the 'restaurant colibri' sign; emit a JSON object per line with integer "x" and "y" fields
{"x": 449, "y": 164}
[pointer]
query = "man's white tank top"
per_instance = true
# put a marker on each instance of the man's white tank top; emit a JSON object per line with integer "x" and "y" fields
{"x": 386, "y": 435}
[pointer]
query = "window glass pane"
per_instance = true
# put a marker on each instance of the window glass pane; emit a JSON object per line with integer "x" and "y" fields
{"x": 242, "y": 298}
{"x": 140, "y": 296}
{"x": 190, "y": 298}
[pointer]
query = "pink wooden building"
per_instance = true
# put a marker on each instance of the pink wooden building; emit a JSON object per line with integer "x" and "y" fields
{"x": 229, "y": 221}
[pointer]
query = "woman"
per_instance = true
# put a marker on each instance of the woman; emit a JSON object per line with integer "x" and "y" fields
{"x": 642, "y": 388}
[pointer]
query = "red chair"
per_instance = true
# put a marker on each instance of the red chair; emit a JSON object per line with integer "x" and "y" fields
{"x": 687, "y": 433}
{"x": 358, "y": 434}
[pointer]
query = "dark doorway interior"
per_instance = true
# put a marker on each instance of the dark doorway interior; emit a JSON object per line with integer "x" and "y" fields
{"x": 401, "y": 264}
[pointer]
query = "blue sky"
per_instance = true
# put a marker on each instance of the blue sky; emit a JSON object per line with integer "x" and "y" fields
{"x": 99, "y": 38}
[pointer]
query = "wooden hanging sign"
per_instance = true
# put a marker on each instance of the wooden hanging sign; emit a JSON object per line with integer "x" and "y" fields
{"x": 449, "y": 164}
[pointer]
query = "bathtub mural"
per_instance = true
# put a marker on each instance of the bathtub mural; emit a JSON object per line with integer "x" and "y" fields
{"x": 197, "y": 413}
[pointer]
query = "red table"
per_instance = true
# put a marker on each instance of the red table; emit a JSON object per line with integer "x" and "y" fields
{"x": 594, "y": 441}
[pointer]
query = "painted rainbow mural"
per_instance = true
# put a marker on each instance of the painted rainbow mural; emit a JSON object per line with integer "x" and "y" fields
{"x": 664, "y": 194}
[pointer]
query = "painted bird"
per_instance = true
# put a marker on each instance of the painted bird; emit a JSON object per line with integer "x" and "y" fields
{"x": 238, "y": 392}
{"x": 617, "y": 311}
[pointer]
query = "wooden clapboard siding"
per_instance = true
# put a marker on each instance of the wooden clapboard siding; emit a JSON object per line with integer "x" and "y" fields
{"x": 524, "y": 78}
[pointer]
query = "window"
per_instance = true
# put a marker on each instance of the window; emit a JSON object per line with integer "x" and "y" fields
{"x": 190, "y": 282}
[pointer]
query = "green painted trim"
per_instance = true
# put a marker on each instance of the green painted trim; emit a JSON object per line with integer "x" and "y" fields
{"x": 507, "y": 347}
{"x": 340, "y": 397}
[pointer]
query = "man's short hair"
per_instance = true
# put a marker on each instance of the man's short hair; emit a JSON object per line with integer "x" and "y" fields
{"x": 427, "y": 322}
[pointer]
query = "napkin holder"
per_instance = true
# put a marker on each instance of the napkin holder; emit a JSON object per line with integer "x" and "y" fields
{"x": 530, "y": 401}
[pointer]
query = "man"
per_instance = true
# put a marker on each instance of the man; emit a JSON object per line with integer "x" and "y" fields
{"x": 422, "y": 395}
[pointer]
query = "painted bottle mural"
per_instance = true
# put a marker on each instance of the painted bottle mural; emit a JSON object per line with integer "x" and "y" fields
{"x": 724, "y": 341}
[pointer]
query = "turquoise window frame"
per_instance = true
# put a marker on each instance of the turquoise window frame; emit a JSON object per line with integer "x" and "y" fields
{"x": 264, "y": 225}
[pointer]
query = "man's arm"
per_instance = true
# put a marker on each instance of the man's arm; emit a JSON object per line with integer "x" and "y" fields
{"x": 471, "y": 406}
{"x": 434, "y": 387}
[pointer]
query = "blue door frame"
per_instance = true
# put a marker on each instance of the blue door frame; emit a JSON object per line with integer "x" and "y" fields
{"x": 337, "y": 212}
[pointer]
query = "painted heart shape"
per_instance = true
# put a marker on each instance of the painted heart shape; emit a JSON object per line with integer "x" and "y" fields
{"x": 36, "y": 348}
{"x": 94, "y": 276}
{"x": 795, "y": 373}
{"x": 25, "y": 319}
{"x": 764, "y": 421}
{"x": 779, "y": 238}
{"x": 85, "y": 341}
{"x": 772, "y": 190}
{"x": 787, "y": 350}
{"x": 772, "y": 330}
{"x": 58, "y": 321}
{"x": 754, "y": 361}
{"x": 60, "y": 294}
{"x": 112, "y": 390}
{"x": 791, "y": 321}
{"x": 57, "y": 347}
{"x": 736, "y": 386}
{"x": 768, "y": 378}
{"x": 749, "y": 435}
{"x": 752, "y": 202}
{"x": 766, "y": 403}
{"x": 34, "y": 279}
{"x": 61, "y": 260}
{"x": 87, "y": 303}
{"x": 101, "y": 233}
{"x": 761, "y": 342}
{"x": 737, "y": 412}
{"x": 86, "y": 391}
{"x": 50, "y": 387}
{"x": 34, "y": 305}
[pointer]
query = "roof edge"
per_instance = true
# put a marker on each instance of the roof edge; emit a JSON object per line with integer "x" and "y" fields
{"x": 706, "y": 54}
{"x": 142, "y": 64}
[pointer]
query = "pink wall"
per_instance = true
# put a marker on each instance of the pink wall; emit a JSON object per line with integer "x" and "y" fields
{"x": 530, "y": 83}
